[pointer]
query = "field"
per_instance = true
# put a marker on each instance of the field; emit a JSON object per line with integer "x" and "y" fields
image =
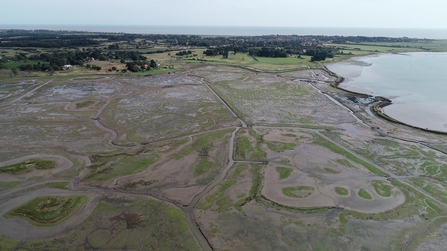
{"x": 215, "y": 154}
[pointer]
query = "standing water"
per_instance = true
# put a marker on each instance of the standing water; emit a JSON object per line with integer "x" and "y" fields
{"x": 416, "y": 83}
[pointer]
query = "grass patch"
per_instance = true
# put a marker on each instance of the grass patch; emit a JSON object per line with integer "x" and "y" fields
{"x": 415, "y": 203}
{"x": 84, "y": 104}
{"x": 342, "y": 218}
{"x": 48, "y": 210}
{"x": 242, "y": 146}
{"x": 125, "y": 225}
{"x": 284, "y": 172}
{"x": 298, "y": 192}
{"x": 7, "y": 243}
{"x": 330, "y": 170}
{"x": 342, "y": 191}
{"x": 382, "y": 189}
{"x": 432, "y": 187}
{"x": 114, "y": 166}
{"x": 207, "y": 203}
{"x": 58, "y": 185}
{"x": 364, "y": 194}
{"x": 204, "y": 166}
{"x": 337, "y": 149}
{"x": 345, "y": 162}
{"x": 28, "y": 166}
{"x": 280, "y": 146}
{"x": 224, "y": 204}
{"x": 203, "y": 143}
{"x": 305, "y": 120}
{"x": 6, "y": 185}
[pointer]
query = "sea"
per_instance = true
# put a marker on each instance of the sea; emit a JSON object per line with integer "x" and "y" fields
{"x": 416, "y": 83}
{"x": 240, "y": 30}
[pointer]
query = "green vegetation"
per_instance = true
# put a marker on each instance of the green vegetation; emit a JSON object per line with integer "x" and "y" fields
{"x": 58, "y": 185}
{"x": 298, "y": 192}
{"x": 154, "y": 71}
{"x": 280, "y": 146}
{"x": 255, "y": 190}
{"x": 224, "y": 204}
{"x": 242, "y": 146}
{"x": 203, "y": 143}
{"x": 246, "y": 149}
{"x": 7, "y": 243}
{"x": 28, "y": 166}
{"x": 135, "y": 184}
{"x": 48, "y": 210}
{"x": 382, "y": 189}
{"x": 341, "y": 191}
{"x": 108, "y": 167}
{"x": 345, "y": 162}
{"x": 6, "y": 185}
{"x": 330, "y": 170}
{"x": 284, "y": 172}
{"x": 437, "y": 189}
{"x": 126, "y": 225}
{"x": 364, "y": 194}
{"x": 84, "y": 104}
{"x": 342, "y": 218}
{"x": 204, "y": 166}
{"x": 305, "y": 120}
{"x": 337, "y": 149}
{"x": 410, "y": 208}
{"x": 209, "y": 200}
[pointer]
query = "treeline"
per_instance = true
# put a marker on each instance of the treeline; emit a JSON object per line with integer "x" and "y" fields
{"x": 136, "y": 66}
{"x": 58, "y": 39}
{"x": 48, "y": 43}
{"x": 268, "y": 52}
{"x": 56, "y": 60}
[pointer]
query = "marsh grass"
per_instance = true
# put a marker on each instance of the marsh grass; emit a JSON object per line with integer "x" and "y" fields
{"x": 284, "y": 172}
{"x": 28, "y": 166}
{"x": 364, "y": 194}
{"x": 48, "y": 210}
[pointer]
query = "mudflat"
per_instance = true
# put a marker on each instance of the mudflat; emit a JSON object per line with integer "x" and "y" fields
{"x": 217, "y": 157}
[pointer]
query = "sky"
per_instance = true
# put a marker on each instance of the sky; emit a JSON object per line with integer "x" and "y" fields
{"x": 292, "y": 13}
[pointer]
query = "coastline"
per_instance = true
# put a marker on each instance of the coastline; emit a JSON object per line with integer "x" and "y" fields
{"x": 377, "y": 107}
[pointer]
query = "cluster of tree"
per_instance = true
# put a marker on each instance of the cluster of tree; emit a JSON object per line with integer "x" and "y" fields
{"x": 268, "y": 52}
{"x": 38, "y": 67}
{"x": 94, "y": 67}
{"x": 113, "y": 47}
{"x": 183, "y": 53}
{"x": 64, "y": 58}
{"x": 126, "y": 55}
{"x": 136, "y": 66}
{"x": 215, "y": 51}
{"x": 320, "y": 54}
{"x": 56, "y": 60}
{"x": 48, "y": 43}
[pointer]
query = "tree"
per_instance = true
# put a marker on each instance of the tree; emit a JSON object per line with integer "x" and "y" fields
{"x": 153, "y": 64}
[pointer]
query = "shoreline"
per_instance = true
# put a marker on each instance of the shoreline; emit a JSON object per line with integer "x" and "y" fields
{"x": 376, "y": 108}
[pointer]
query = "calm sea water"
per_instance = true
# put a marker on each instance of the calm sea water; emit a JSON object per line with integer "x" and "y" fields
{"x": 242, "y": 30}
{"x": 415, "y": 82}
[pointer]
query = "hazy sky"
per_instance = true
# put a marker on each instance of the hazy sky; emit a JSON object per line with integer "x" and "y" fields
{"x": 297, "y": 13}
